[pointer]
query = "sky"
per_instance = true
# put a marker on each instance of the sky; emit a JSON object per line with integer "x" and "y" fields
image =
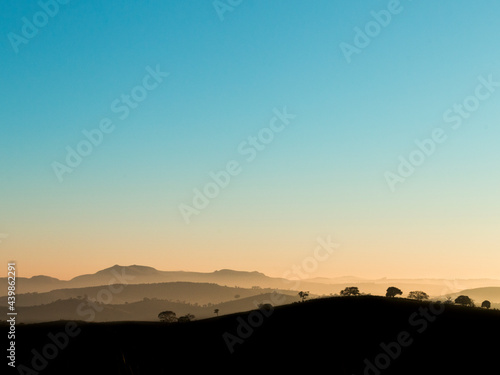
{"x": 203, "y": 135}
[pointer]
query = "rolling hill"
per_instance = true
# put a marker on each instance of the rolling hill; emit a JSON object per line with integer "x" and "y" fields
{"x": 147, "y": 275}
{"x": 346, "y": 335}
{"x": 144, "y": 310}
{"x": 478, "y": 295}
{"x": 187, "y": 292}
{"x": 138, "y": 275}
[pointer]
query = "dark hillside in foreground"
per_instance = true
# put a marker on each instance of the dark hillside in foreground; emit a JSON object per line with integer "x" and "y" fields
{"x": 339, "y": 335}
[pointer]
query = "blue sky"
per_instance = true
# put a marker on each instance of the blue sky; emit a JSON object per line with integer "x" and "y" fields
{"x": 324, "y": 174}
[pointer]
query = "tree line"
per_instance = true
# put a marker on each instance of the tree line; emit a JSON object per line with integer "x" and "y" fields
{"x": 392, "y": 291}
{"x": 418, "y": 295}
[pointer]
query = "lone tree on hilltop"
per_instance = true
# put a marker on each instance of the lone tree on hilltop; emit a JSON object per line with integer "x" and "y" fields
{"x": 167, "y": 317}
{"x": 418, "y": 295}
{"x": 303, "y": 295}
{"x": 216, "y": 311}
{"x": 185, "y": 318}
{"x": 486, "y": 304}
{"x": 350, "y": 291}
{"x": 449, "y": 301}
{"x": 464, "y": 300}
{"x": 392, "y": 291}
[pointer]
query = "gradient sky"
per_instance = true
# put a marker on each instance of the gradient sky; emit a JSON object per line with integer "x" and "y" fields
{"x": 323, "y": 175}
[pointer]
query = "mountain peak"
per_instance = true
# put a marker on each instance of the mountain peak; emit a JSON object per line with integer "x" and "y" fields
{"x": 134, "y": 268}
{"x": 43, "y": 278}
{"x": 227, "y": 271}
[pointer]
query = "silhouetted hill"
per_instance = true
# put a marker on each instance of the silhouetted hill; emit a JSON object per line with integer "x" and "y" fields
{"x": 34, "y": 284}
{"x": 188, "y": 292}
{"x": 333, "y": 335}
{"x": 480, "y": 294}
{"x": 144, "y": 310}
{"x": 136, "y": 274}
{"x": 144, "y": 275}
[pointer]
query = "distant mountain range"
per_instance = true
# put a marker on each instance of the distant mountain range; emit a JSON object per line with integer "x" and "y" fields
{"x": 139, "y": 292}
{"x": 136, "y": 274}
{"x": 140, "y": 275}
